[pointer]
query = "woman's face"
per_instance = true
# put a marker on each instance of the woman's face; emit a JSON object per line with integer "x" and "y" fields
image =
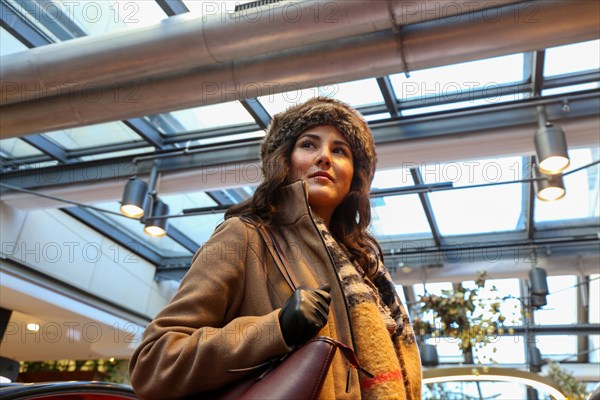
{"x": 323, "y": 158}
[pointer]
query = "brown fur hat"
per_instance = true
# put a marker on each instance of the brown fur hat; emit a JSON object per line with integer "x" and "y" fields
{"x": 318, "y": 111}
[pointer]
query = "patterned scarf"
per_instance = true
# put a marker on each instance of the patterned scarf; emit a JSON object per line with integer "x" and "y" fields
{"x": 385, "y": 342}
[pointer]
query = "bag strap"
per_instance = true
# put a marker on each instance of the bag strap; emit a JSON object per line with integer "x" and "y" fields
{"x": 281, "y": 260}
{"x": 276, "y": 252}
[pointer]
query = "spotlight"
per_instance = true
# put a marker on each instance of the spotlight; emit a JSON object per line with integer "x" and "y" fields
{"x": 550, "y": 146}
{"x": 535, "y": 358}
{"x": 157, "y": 227}
{"x": 429, "y": 355}
{"x": 538, "y": 301}
{"x": 134, "y": 197}
{"x": 538, "y": 280}
{"x": 550, "y": 187}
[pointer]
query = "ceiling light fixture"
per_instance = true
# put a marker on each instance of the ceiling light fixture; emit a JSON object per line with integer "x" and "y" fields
{"x": 134, "y": 198}
{"x": 550, "y": 187}
{"x": 156, "y": 226}
{"x": 550, "y": 145}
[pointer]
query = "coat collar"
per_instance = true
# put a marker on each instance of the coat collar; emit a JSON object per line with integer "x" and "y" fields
{"x": 293, "y": 202}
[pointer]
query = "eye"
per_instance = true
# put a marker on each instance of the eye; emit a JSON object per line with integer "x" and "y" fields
{"x": 307, "y": 144}
{"x": 341, "y": 150}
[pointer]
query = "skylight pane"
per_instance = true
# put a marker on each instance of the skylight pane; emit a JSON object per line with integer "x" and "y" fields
{"x": 16, "y": 148}
{"x": 231, "y": 138}
{"x": 594, "y": 302}
{"x": 570, "y": 89}
{"x": 179, "y": 202}
{"x": 557, "y": 347}
{"x": 392, "y": 178}
{"x": 462, "y": 104}
{"x": 581, "y": 199}
{"x": 578, "y": 57}
{"x": 494, "y": 208}
{"x": 398, "y": 215}
{"x": 202, "y": 118}
{"x": 359, "y": 93}
{"x": 9, "y": 44}
{"x": 445, "y": 82}
{"x": 594, "y": 343}
{"x": 165, "y": 246}
{"x": 97, "y": 17}
{"x": 199, "y": 228}
{"x": 376, "y": 117}
{"x": 94, "y": 136}
{"x": 562, "y": 302}
{"x": 277, "y": 102}
{"x": 121, "y": 153}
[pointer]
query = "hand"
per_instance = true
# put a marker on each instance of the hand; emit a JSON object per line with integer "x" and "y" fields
{"x": 304, "y": 314}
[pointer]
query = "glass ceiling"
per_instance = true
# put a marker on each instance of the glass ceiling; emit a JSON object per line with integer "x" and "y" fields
{"x": 93, "y": 136}
{"x": 202, "y": 118}
{"x": 456, "y": 82}
{"x": 489, "y": 207}
{"x": 496, "y": 206}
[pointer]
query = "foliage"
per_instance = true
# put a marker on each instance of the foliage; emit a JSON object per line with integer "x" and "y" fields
{"x": 464, "y": 315}
{"x": 569, "y": 386}
{"x": 112, "y": 369}
{"x": 439, "y": 391}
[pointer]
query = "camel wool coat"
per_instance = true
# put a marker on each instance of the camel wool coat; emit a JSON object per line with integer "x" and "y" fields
{"x": 225, "y": 313}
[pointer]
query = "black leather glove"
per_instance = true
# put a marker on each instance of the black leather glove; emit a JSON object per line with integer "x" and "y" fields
{"x": 304, "y": 314}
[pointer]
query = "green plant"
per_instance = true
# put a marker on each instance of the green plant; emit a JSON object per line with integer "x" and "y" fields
{"x": 112, "y": 370}
{"x": 464, "y": 315}
{"x": 569, "y": 386}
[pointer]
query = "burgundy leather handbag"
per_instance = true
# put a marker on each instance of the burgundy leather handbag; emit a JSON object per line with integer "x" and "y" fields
{"x": 298, "y": 375}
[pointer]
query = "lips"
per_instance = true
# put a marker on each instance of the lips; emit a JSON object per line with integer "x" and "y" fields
{"x": 322, "y": 174}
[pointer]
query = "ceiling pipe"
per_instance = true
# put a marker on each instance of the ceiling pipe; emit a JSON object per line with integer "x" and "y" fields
{"x": 188, "y": 41}
{"x": 427, "y": 44}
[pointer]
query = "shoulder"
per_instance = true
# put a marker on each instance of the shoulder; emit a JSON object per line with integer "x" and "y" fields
{"x": 230, "y": 243}
{"x": 233, "y": 232}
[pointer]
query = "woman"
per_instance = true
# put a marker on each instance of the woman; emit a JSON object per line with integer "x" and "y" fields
{"x": 235, "y": 310}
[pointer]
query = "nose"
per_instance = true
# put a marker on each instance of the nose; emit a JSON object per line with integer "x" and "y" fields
{"x": 324, "y": 157}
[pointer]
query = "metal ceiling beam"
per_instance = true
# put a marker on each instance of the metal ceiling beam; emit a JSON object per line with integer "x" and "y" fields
{"x": 389, "y": 97}
{"x": 493, "y": 247}
{"x": 146, "y": 130}
{"x": 415, "y": 254}
{"x": 107, "y": 229}
{"x": 537, "y": 73}
{"x": 443, "y": 124}
{"x": 529, "y": 196}
{"x": 470, "y": 36}
{"x": 189, "y": 41}
{"x": 47, "y": 147}
{"x": 426, "y": 204}
{"x": 258, "y": 112}
{"x": 572, "y": 79}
